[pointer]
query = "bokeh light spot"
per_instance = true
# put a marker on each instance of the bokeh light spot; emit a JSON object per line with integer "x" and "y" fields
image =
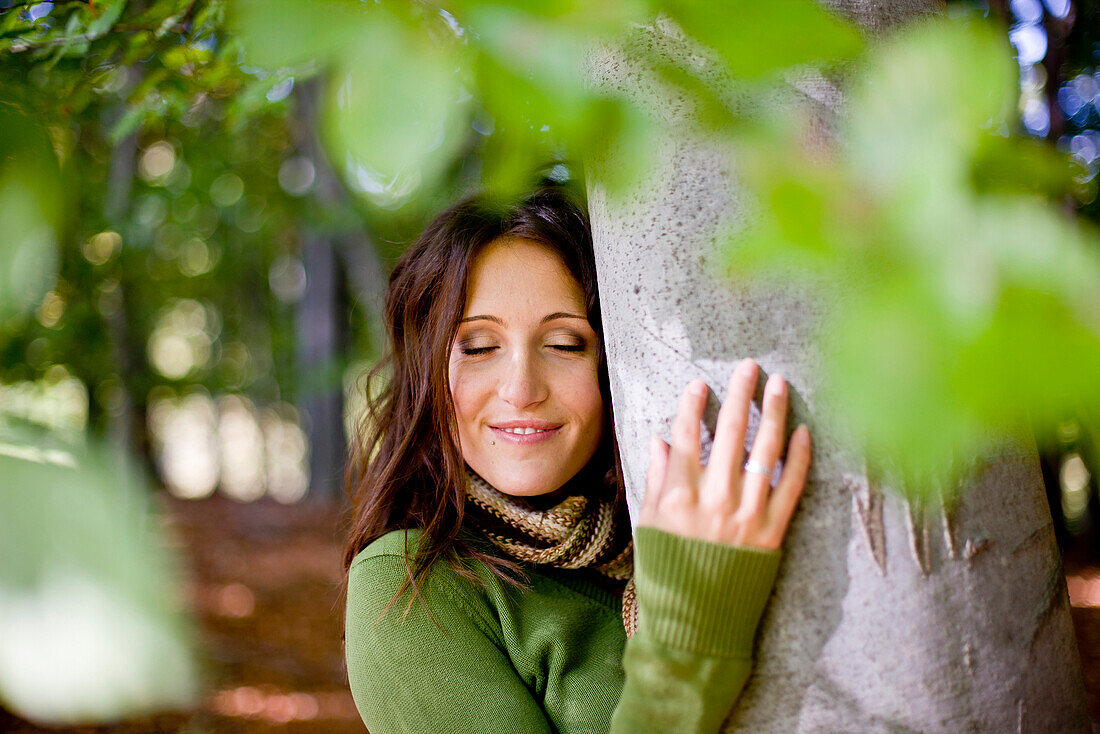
{"x": 235, "y": 600}
{"x": 182, "y": 339}
{"x": 100, "y": 247}
{"x": 287, "y": 454}
{"x": 183, "y": 432}
{"x": 1030, "y": 42}
{"x": 157, "y": 161}
{"x": 241, "y": 444}
{"x": 287, "y": 278}
{"x": 1075, "y": 491}
{"x": 296, "y": 175}
{"x": 226, "y": 190}
{"x": 195, "y": 258}
{"x": 50, "y": 310}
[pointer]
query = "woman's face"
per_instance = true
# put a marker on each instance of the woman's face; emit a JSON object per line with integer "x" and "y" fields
{"x": 523, "y": 371}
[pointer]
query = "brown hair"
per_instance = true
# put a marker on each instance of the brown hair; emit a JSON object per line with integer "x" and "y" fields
{"x": 406, "y": 468}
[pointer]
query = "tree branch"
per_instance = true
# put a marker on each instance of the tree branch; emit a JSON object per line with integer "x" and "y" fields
{"x": 27, "y": 3}
{"x": 176, "y": 25}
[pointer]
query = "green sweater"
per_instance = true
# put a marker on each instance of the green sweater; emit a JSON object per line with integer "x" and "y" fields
{"x": 550, "y": 658}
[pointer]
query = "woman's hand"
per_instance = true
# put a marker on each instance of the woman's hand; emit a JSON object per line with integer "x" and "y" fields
{"x": 723, "y": 502}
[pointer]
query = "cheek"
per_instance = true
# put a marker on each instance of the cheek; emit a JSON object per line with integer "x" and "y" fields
{"x": 466, "y": 395}
{"x": 586, "y": 399}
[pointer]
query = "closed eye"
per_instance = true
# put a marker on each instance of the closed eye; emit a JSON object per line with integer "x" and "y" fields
{"x": 477, "y": 350}
{"x": 569, "y": 347}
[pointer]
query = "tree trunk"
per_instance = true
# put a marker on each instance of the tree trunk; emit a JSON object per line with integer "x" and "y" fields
{"x": 887, "y": 616}
{"x": 127, "y": 426}
{"x": 322, "y": 323}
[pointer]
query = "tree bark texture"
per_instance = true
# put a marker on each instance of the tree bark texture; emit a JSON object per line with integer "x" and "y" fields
{"x": 888, "y": 615}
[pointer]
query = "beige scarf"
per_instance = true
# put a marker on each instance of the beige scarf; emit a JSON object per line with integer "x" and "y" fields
{"x": 577, "y": 533}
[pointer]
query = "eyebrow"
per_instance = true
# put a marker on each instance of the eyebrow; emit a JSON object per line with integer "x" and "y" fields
{"x": 547, "y": 317}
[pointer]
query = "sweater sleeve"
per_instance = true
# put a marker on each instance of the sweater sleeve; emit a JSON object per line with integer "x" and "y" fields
{"x": 421, "y": 672}
{"x": 699, "y": 604}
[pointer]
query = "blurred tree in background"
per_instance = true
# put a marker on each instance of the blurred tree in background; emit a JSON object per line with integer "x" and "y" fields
{"x": 202, "y": 199}
{"x": 1058, "y": 46}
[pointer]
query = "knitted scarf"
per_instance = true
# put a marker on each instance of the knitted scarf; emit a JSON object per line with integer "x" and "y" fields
{"x": 577, "y": 533}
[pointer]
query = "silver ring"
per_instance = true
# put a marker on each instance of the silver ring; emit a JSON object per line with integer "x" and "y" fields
{"x": 754, "y": 466}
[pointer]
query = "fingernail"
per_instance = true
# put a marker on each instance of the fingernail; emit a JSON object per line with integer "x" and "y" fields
{"x": 747, "y": 367}
{"x": 776, "y": 385}
{"x": 697, "y": 387}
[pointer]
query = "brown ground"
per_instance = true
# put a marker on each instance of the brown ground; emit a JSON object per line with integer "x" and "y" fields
{"x": 263, "y": 583}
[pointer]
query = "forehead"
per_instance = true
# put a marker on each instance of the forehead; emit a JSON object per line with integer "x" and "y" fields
{"x": 512, "y": 273}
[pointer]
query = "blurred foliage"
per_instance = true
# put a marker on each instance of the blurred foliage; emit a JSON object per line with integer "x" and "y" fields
{"x": 170, "y": 154}
{"x": 1070, "y": 83}
{"x": 160, "y": 170}
{"x": 971, "y": 304}
{"x": 30, "y": 201}
{"x": 413, "y": 87}
{"x": 88, "y": 629}
{"x": 140, "y": 188}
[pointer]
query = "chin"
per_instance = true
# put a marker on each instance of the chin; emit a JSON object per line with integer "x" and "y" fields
{"x": 524, "y": 486}
{"x": 523, "y": 481}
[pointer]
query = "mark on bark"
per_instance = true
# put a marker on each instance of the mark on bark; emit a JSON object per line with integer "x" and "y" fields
{"x": 867, "y": 503}
{"x": 968, "y": 656}
{"x": 661, "y": 340}
{"x": 1021, "y": 709}
{"x": 836, "y": 698}
{"x": 949, "y": 505}
{"x": 949, "y": 532}
{"x": 917, "y": 524}
{"x": 1057, "y": 598}
{"x": 1035, "y": 536}
{"x": 975, "y": 546}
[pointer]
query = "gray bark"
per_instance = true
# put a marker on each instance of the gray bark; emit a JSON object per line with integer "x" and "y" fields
{"x": 319, "y": 319}
{"x": 887, "y": 616}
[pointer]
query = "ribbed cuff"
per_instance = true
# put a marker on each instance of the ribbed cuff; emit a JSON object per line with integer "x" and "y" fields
{"x": 701, "y": 596}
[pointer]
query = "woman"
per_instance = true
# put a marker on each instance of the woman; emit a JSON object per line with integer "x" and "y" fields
{"x": 490, "y": 556}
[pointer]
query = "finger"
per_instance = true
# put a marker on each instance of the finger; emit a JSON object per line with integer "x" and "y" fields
{"x": 655, "y": 475}
{"x": 683, "y": 458}
{"x": 788, "y": 491}
{"x": 729, "y": 433}
{"x": 767, "y": 445}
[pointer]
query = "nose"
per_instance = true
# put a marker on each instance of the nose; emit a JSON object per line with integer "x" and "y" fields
{"x": 522, "y": 384}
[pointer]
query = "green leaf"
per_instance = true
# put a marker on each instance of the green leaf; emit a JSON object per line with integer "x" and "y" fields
{"x": 920, "y": 392}
{"x": 108, "y": 14}
{"x": 88, "y": 628}
{"x": 130, "y": 121}
{"x": 966, "y": 304}
{"x": 1022, "y": 165}
{"x": 280, "y": 33}
{"x": 531, "y": 81}
{"x": 610, "y": 17}
{"x": 30, "y": 207}
{"x": 758, "y": 39}
{"x": 889, "y": 372}
{"x": 529, "y": 70}
{"x": 925, "y": 102}
{"x": 396, "y": 111}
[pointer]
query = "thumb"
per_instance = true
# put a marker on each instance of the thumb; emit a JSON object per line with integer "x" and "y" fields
{"x": 658, "y": 468}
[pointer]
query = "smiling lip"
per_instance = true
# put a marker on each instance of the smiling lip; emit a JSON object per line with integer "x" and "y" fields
{"x": 544, "y": 432}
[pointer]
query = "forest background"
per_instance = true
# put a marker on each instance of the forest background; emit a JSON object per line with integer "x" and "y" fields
{"x": 202, "y": 201}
